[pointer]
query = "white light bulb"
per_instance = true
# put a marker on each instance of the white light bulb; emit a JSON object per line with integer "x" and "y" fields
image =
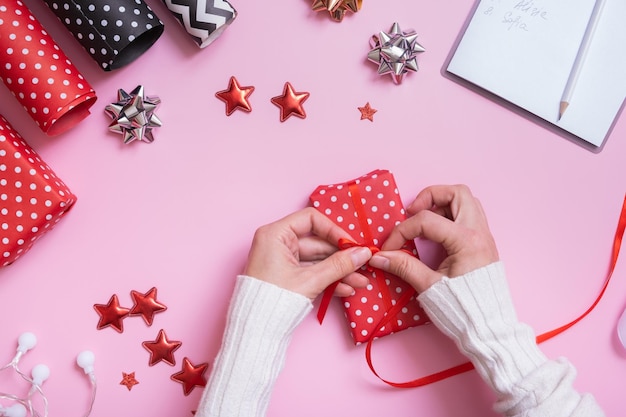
{"x": 26, "y": 342}
{"x": 40, "y": 373}
{"x": 621, "y": 329}
{"x": 85, "y": 360}
{"x": 15, "y": 410}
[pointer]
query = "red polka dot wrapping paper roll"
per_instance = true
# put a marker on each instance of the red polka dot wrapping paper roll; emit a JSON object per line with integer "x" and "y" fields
{"x": 38, "y": 73}
{"x": 32, "y": 198}
{"x": 371, "y": 201}
{"x": 204, "y": 20}
{"x": 114, "y": 32}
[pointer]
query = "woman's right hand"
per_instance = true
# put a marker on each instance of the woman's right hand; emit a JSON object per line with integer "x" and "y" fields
{"x": 446, "y": 214}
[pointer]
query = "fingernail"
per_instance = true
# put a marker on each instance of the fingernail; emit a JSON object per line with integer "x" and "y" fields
{"x": 360, "y": 256}
{"x": 379, "y": 261}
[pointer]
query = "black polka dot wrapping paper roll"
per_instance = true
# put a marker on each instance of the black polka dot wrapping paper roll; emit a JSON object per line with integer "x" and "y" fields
{"x": 114, "y": 32}
{"x": 32, "y": 198}
{"x": 38, "y": 73}
{"x": 204, "y": 20}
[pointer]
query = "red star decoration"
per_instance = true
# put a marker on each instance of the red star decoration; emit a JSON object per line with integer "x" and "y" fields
{"x": 191, "y": 376}
{"x": 129, "y": 380}
{"x": 146, "y": 305}
{"x": 290, "y": 103}
{"x": 235, "y": 97}
{"x": 111, "y": 314}
{"x": 162, "y": 349}
{"x": 367, "y": 112}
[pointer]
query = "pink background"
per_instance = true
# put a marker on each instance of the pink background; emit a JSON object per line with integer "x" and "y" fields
{"x": 179, "y": 214}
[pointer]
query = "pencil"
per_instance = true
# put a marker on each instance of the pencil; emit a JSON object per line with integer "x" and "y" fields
{"x": 581, "y": 56}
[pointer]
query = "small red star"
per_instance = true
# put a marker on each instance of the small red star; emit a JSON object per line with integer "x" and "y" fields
{"x": 235, "y": 97}
{"x": 129, "y": 380}
{"x": 162, "y": 349}
{"x": 367, "y": 112}
{"x": 191, "y": 376}
{"x": 111, "y": 314}
{"x": 146, "y": 305}
{"x": 290, "y": 103}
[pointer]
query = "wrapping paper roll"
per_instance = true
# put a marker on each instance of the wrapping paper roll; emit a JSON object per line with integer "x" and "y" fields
{"x": 33, "y": 199}
{"x": 204, "y": 20}
{"x": 114, "y": 32}
{"x": 38, "y": 73}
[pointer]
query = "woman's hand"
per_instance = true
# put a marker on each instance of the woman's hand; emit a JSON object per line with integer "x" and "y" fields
{"x": 299, "y": 253}
{"x": 445, "y": 214}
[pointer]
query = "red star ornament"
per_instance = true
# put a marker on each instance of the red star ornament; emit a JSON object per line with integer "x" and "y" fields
{"x": 111, "y": 314}
{"x": 290, "y": 103}
{"x": 367, "y": 112}
{"x": 129, "y": 380}
{"x": 146, "y": 305}
{"x": 235, "y": 97}
{"x": 162, "y": 349}
{"x": 191, "y": 376}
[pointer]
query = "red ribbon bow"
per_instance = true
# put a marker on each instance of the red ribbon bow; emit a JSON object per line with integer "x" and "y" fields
{"x": 347, "y": 244}
{"x": 380, "y": 276}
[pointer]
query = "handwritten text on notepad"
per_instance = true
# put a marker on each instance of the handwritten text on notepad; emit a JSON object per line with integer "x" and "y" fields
{"x": 520, "y": 15}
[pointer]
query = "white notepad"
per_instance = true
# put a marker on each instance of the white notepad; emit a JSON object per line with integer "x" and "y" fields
{"x": 523, "y": 52}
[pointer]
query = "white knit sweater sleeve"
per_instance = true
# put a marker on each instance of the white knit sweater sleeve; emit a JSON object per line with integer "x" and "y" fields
{"x": 476, "y": 311}
{"x": 261, "y": 320}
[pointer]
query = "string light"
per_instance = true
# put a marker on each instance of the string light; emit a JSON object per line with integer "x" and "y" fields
{"x": 24, "y": 406}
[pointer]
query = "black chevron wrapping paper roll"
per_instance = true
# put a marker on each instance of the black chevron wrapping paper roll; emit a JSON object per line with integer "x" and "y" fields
{"x": 204, "y": 20}
{"x": 114, "y": 32}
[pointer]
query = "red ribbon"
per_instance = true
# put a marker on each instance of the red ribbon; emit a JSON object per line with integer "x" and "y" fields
{"x": 328, "y": 293}
{"x": 468, "y": 366}
{"x": 347, "y": 244}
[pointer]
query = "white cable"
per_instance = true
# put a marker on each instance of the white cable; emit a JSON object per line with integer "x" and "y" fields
{"x": 85, "y": 360}
{"x": 40, "y": 373}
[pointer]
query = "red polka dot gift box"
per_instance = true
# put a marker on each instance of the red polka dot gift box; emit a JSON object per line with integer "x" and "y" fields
{"x": 368, "y": 208}
{"x": 32, "y": 198}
